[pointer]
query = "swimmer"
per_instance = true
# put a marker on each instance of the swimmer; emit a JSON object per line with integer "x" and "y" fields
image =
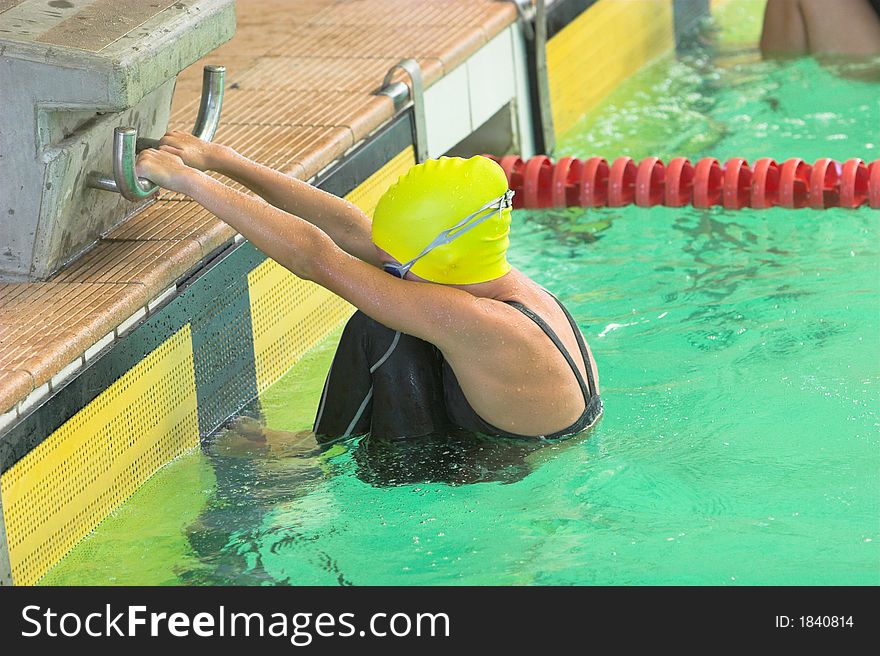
{"x": 447, "y": 333}
{"x": 846, "y": 28}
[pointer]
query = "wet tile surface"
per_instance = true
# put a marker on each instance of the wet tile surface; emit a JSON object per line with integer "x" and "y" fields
{"x": 44, "y": 326}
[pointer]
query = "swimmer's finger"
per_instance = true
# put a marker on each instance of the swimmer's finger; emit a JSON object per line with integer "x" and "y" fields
{"x": 145, "y": 166}
{"x": 180, "y": 137}
{"x": 171, "y": 149}
{"x": 190, "y": 149}
{"x": 173, "y": 138}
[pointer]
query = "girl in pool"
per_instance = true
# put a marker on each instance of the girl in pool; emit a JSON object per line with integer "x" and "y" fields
{"x": 453, "y": 337}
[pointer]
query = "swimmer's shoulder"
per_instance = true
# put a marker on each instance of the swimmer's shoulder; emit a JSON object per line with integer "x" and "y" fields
{"x": 551, "y": 312}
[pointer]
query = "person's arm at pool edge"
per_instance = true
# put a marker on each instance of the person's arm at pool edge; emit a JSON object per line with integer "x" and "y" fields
{"x": 342, "y": 220}
{"x": 435, "y": 313}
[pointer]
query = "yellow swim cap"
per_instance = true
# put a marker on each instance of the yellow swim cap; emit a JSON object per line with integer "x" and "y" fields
{"x": 434, "y": 196}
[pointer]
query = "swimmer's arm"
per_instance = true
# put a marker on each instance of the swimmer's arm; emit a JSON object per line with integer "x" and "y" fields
{"x": 451, "y": 319}
{"x": 446, "y": 317}
{"x": 289, "y": 240}
{"x": 342, "y": 220}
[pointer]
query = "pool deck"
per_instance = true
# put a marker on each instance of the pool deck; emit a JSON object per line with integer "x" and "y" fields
{"x": 301, "y": 83}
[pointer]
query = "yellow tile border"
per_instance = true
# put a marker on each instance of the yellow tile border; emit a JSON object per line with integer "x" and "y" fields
{"x": 62, "y": 489}
{"x": 600, "y": 48}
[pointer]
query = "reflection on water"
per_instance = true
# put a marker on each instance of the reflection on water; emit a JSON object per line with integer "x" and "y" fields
{"x": 459, "y": 458}
{"x": 259, "y": 469}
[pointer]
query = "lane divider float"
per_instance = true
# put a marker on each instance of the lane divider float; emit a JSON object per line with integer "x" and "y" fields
{"x": 594, "y": 182}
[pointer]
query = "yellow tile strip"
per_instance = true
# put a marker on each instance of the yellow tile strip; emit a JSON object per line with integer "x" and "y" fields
{"x": 61, "y": 490}
{"x": 599, "y": 49}
{"x": 290, "y": 315}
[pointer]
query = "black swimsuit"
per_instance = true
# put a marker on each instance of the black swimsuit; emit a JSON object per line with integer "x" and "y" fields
{"x": 462, "y": 414}
{"x": 394, "y": 386}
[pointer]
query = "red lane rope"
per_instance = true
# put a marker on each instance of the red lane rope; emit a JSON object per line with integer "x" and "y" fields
{"x": 593, "y": 191}
{"x": 538, "y": 177}
{"x": 736, "y": 188}
{"x": 650, "y": 182}
{"x": 593, "y": 182}
{"x": 708, "y": 178}
{"x": 765, "y": 184}
{"x": 622, "y": 182}
{"x": 874, "y": 184}
{"x": 794, "y": 183}
{"x": 854, "y": 183}
{"x": 679, "y": 186}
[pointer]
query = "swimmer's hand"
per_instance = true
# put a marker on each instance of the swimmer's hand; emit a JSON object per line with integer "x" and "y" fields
{"x": 165, "y": 169}
{"x": 248, "y": 427}
{"x": 201, "y": 155}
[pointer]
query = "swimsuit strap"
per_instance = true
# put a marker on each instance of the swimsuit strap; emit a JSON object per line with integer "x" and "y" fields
{"x": 585, "y": 355}
{"x": 559, "y": 345}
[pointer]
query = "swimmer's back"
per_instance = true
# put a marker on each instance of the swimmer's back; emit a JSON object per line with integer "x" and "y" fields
{"x": 511, "y": 372}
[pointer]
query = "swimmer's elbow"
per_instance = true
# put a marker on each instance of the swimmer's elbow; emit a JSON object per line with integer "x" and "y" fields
{"x": 306, "y": 256}
{"x": 320, "y": 257}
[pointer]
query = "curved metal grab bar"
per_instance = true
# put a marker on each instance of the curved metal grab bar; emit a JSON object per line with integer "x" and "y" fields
{"x": 124, "y": 180}
{"x": 126, "y": 143}
{"x": 526, "y": 11}
{"x": 208, "y": 118}
{"x": 400, "y": 95}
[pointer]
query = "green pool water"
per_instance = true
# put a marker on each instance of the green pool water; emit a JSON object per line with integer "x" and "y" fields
{"x": 739, "y": 360}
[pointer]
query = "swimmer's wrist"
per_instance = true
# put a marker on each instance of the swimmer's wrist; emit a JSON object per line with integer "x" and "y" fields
{"x": 191, "y": 182}
{"x": 219, "y": 157}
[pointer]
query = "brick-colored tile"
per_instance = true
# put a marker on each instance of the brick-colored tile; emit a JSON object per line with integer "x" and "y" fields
{"x": 280, "y": 107}
{"x": 359, "y": 111}
{"x": 43, "y": 326}
{"x": 281, "y": 147}
{"x": 322, "y": 151}
{"x": 155, "y": 264}
{"x": 295, "y": 73}
{"x": 175, "y": 221}
{"x": 401, "y": 13}
{"x": 364, "y": 74}
{"x": 495, "y": 16}
{"x": 188, "y": 88}
{"x": 14, "y": 386}
{"x": 256, "y": 41}
{"x": 352, "y": 41}
{"x": 252, "y": 14}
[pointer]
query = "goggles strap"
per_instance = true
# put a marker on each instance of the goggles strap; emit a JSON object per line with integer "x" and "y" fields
{"x": 450, "y": 234}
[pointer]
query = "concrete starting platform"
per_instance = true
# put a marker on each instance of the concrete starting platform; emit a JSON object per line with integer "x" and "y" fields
{"x": 71, "y": 71}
